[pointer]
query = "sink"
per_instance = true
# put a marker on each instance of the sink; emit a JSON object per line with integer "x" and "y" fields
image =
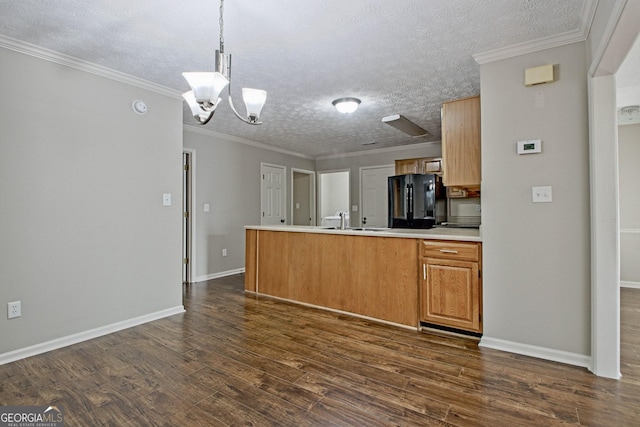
{"x": 354, "y": 228}
{"x": 367, "y": 229}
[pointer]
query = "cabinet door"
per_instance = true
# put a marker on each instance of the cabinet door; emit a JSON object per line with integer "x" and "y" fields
{"x": 407, "y": 166}
{"x": 450, "y": 294}
{"x": 461, "y": 143}
{"x": 431, "y": 165}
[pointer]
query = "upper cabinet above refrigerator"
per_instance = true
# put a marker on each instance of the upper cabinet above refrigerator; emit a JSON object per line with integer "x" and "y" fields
{"x": 419, "y": 165}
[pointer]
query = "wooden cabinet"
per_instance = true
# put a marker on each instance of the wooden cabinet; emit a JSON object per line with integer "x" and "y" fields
{"x": 461, "y": 143}
{"x": 451, "y": 285}
{"x": 419, "y": 165}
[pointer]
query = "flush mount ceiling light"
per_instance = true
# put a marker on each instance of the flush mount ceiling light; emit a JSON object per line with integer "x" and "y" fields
{"x": 206, "y": 87}
{"x": 346, "y": 105}
{"x": 400, "y": 122}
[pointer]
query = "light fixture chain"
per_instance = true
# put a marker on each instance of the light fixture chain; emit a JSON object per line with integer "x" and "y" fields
{"x": 221, "y": 21}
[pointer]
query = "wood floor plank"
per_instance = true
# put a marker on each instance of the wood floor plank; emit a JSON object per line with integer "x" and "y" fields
{"x": 236, "y": 359}
{"x": 340, "y": 366}
{"x": 233, "y": 413}
{"x": 339, "y": 413}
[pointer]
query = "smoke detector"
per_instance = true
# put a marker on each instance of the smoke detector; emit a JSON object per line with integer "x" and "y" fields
{"x": 629, "y": 115}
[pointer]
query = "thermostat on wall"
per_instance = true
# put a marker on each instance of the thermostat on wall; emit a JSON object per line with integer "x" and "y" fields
{"x": 529, "y": 147}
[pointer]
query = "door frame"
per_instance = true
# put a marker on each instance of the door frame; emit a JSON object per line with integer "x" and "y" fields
{"x": 312, "y": 193}
{"x": 361, "y": 201}
{"x": 191, "y": 266}
{"x": 618, "y": 38}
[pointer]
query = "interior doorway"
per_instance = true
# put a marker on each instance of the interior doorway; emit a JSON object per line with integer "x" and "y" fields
{"x": 188, "y": 215}
{"x": 334, "y": 198}
{"x": 303, "y": 197}
{"x": 620, "y": 33}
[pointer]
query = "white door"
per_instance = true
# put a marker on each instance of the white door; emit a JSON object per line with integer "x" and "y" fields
{"x": 273, "y": 195}
{"x": 374, "y": 193}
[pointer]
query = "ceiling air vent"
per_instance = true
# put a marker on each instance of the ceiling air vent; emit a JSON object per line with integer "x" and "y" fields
{"x": 629, "y": 115}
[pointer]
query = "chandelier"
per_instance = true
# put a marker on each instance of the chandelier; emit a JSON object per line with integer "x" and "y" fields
{"x": 206, "y": 87}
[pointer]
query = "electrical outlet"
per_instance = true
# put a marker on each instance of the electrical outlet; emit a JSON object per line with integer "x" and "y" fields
{"x": 224, "y": 252}
{"x": 541, "y": 194}
{"x": 14, "y": 310}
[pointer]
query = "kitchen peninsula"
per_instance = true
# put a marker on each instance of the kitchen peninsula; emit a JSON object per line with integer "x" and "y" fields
{"x": 406, "y": 277}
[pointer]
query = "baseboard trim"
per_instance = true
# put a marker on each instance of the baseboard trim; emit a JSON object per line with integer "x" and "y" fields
{"x": 333, "y": 310}
{"x": 219, "y": 275}
{"x": 628, "y": 284}
{"x": 535, "y": 351}
{"x": 57, "y": 343}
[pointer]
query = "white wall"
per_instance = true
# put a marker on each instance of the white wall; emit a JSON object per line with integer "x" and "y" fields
{"x": 536, "y": 256}
{"x": 86, "y": 242}
{"x": 228, "y": 178}
{"x": 629, "y": 178}
{"x": 301, "y": 197}
{"x": 334, "y": 193}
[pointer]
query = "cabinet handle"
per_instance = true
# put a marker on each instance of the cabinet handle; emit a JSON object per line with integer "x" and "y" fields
{"x": 448, "y": 251}
{"x": 424, "y": 271}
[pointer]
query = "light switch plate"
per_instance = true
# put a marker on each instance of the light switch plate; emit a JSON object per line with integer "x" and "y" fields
{"x": 541, "y": 194}
{"x": 166, "y": 199}
{"x": 206, "y": 207}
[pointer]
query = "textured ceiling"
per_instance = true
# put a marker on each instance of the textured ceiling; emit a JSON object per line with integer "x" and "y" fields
{"x": 397, "y": 56}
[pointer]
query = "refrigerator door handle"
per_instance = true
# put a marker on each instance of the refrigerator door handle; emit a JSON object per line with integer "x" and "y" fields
{"x": 410, "y": 201}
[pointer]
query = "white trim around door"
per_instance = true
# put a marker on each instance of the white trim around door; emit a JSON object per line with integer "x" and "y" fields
{"x": 192, "y": 213}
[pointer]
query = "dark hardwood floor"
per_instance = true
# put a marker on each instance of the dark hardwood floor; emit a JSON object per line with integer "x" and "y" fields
{"x": 238, "y": 360}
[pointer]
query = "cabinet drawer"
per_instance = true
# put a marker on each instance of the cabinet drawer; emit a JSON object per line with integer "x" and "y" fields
{"x": 467, "y": 251}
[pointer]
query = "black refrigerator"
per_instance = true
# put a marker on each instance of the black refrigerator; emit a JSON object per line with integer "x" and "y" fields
{"x": 416, "y": 201}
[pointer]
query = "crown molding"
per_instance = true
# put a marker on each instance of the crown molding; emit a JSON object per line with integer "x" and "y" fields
{"x": 544, "y": 43}
{"x": 379, "y": 151}
{"x": 79, "y": 64}
{"x": 230, "y": 138}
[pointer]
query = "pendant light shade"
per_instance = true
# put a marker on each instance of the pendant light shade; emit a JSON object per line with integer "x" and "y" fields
{"x": 254, "y": 99}
{"x": 199, "y": 113}
{"x": 206, "y": 86}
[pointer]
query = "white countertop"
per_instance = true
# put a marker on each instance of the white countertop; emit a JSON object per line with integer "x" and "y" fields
{"x": 438, "y": 233}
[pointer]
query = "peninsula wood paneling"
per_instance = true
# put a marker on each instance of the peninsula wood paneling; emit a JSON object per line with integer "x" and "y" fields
{"x": 273, "y": 263}
{"x": 365, "y": 275}
{"x": 250, "y": 256}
